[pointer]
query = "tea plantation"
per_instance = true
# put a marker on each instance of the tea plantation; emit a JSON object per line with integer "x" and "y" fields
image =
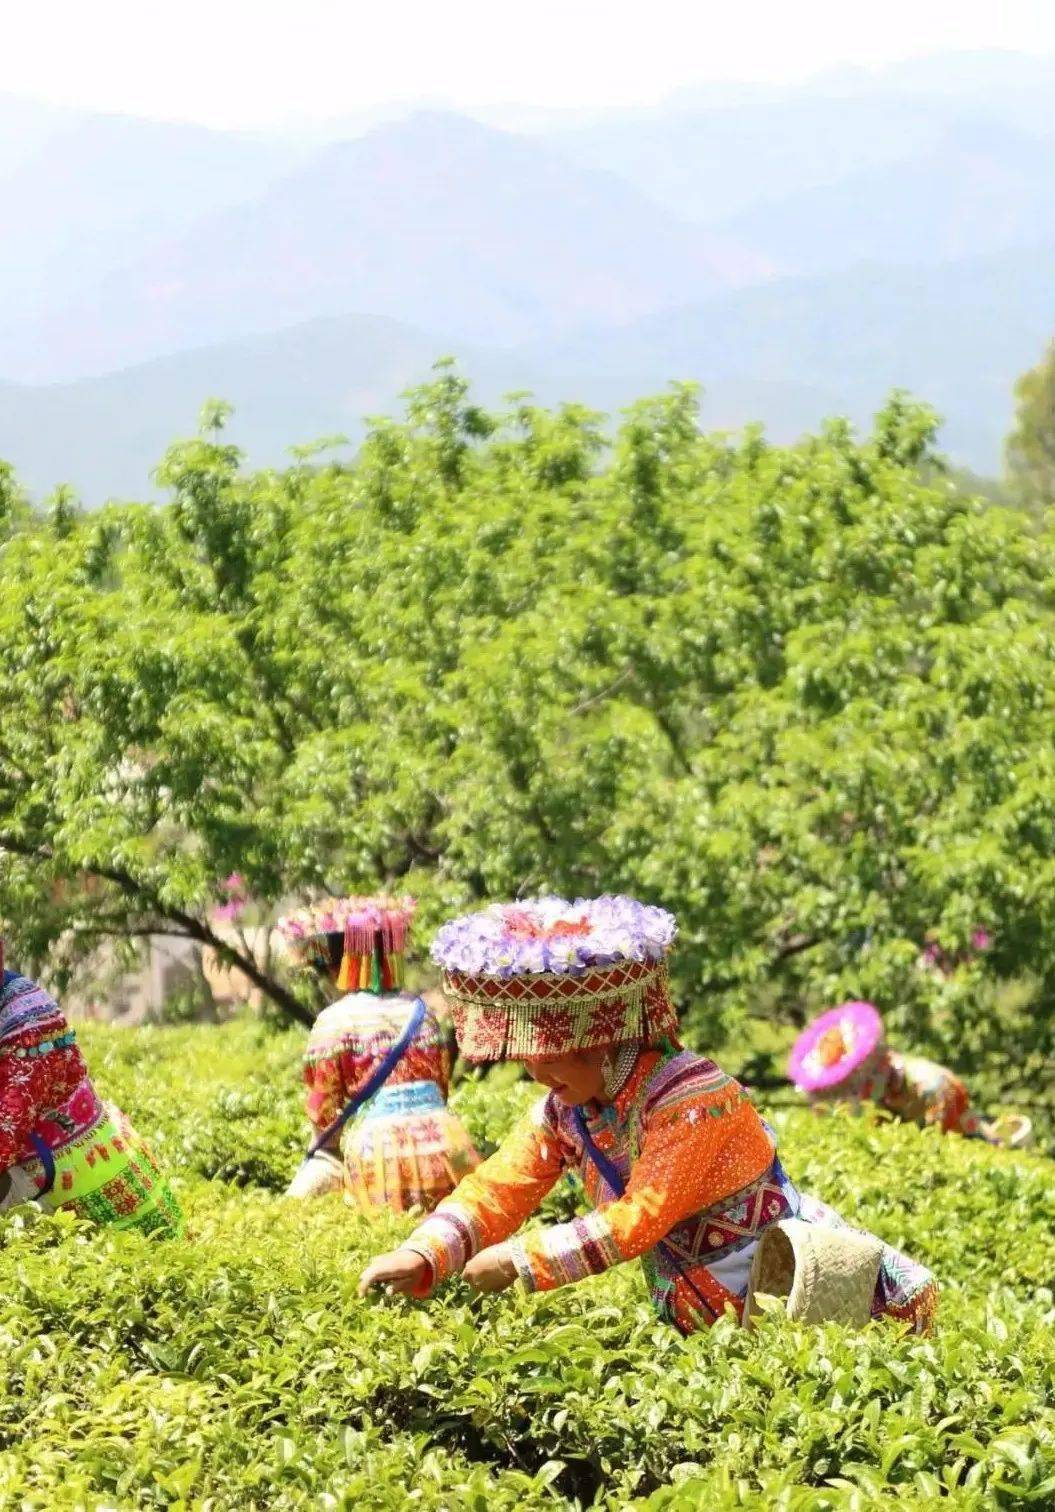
{"x": 241, "y": 1370}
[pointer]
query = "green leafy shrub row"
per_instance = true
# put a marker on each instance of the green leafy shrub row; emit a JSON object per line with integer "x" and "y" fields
{"x": 242, "y": 1371}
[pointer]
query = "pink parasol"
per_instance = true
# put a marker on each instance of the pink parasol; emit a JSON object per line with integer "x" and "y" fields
{"x": 834, "y": 1046}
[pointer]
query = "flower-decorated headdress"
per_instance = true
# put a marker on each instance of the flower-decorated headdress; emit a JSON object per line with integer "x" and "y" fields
{"x": 545, "y": 976}
{"x": 837, "y": 1049}
{"x": 358, "y": 941}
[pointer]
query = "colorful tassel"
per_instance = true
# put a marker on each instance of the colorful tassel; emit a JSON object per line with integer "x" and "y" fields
{"x": 344, "y": 976}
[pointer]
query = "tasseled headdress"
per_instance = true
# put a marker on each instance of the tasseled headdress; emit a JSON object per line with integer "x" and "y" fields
{"x": 359, "y": 942}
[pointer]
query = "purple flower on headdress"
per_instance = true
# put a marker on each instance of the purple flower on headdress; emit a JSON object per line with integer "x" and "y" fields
{"x": 553, "y": 935}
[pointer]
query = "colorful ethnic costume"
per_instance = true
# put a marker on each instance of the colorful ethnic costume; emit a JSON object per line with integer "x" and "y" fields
{"x": 842, "y": 1056}
{"x": 403, "y": 1148}
{"x": 59, "y": 1143}
{"x": 700, "y": 1177}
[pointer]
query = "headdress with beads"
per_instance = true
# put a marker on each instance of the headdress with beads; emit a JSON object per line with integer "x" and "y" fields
{"x": 545, "y": 976}
{"x": 359, "y": 941}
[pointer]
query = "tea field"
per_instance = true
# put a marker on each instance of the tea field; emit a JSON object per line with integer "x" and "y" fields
{"x": 241, "y": 1371}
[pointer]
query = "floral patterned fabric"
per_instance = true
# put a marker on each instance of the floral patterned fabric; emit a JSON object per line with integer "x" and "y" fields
{"x": 700, "y": 1173}
{"x": 103, "y": 1170}
{"x": 917, "y": 1090}
{"x": 404, "y": 1149}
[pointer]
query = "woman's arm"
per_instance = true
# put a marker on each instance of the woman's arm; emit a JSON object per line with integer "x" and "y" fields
{"x": 325, "y": 1094}
{"x": 494, "y": 1200}
{"x": 693, "y": 1155}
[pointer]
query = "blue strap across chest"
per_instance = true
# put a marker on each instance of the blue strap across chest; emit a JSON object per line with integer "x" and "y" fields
{"x": 607, "y": 1170}
{"x": 377, "y": 1078}
{"x": 47, "y": 1160}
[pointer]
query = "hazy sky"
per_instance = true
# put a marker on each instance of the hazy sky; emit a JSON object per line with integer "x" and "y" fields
{"x": 250, "y": 62}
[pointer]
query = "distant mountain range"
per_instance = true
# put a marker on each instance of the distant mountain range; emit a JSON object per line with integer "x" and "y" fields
{"x": 799, "y": 252}
{"x": 436, "y": 220}
{"x": 981, "y": 187}
{"x": 105, "y": 190}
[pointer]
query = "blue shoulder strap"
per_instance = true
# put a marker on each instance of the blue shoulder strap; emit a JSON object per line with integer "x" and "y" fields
{"x": 377, "y": 1078}
{"x": 600, "y": 1160}
{"x": 47, "y": 1160}
{"x": 608, "y": 1172}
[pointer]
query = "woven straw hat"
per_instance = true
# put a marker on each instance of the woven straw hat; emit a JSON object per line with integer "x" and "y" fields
{"x": 827, "y": 1275}
{"x": 1014, "y": 1130}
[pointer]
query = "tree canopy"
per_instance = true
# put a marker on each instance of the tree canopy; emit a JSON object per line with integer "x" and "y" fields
{"x": 1031, "y": 444}
{"x": 801, "y": 695}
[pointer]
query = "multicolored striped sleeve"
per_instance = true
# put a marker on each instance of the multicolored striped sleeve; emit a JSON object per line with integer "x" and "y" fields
{"x": 701, "y": 1142}
{"x": 494, "y": 1200}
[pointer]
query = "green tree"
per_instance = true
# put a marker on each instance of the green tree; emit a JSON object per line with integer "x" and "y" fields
{"x": 1031, "y": 444}
{"x": 802, "y": 695}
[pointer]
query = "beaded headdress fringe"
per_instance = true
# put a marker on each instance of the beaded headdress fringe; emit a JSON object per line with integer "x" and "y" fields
{"x": 373, "y": 955}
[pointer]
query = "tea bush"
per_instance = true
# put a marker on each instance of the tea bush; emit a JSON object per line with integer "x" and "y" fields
{"x": 240, "y": 1370}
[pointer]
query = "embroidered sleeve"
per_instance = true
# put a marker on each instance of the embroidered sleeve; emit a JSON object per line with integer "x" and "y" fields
{"x": 325, "y": 1089}
{"x": 697, "y": 1149}
{"x": 37, "y": 1070}
{"x": 494, "y": 1200}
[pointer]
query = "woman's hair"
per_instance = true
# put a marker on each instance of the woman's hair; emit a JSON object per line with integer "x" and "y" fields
{"x": 326, "y": 951}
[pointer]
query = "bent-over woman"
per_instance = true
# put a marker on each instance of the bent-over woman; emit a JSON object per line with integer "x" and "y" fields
{"x": 681, "y": 1171}
{"x": 842, "y": 1056}
{"x": 379, "y": 1056}
{"x": 60, "y": 1144}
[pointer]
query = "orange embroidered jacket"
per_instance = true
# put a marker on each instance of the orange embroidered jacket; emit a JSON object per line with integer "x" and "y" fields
{"x": 700, "y": 1174}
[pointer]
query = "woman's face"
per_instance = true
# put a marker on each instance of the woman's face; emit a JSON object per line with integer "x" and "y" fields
{"x": 577, "y": 1077}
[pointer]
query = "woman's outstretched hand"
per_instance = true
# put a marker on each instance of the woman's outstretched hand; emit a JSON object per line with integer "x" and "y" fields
{"x": 492, "y": 1270}
{"x": 401, "y": 1270}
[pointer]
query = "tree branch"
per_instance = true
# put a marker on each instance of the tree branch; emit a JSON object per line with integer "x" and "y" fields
{"x": 190, "y": 927}
{"x": 793, "y": 947}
